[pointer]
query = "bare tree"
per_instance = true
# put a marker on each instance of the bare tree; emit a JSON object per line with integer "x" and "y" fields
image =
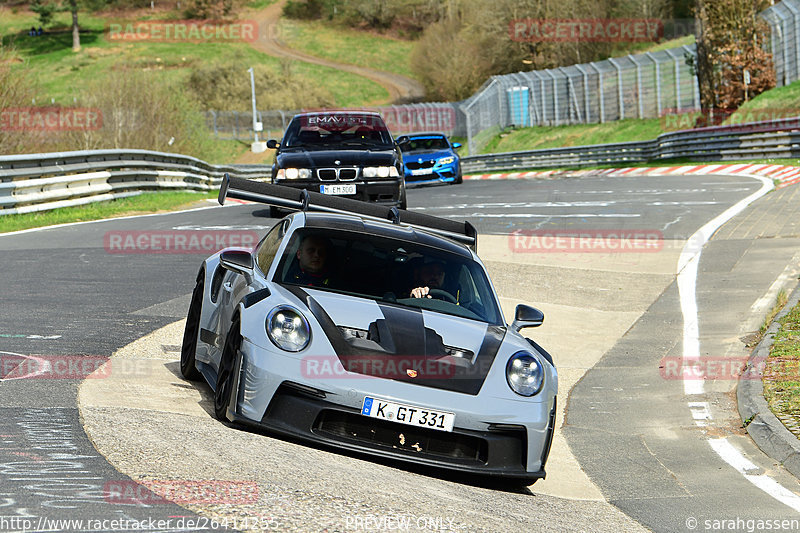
{"x": 76, "y": 35}
{"x": 732, "y": 62}
{"x": 702, "y": 65}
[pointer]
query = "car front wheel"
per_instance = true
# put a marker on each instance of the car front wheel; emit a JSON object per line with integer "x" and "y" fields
{"x": 225, "y": 376}
{"x": 403, "y": 199}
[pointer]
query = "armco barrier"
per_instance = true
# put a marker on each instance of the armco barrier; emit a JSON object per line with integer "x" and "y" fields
{"x": 778, "y": 139}
{"x": 39, "y": 182}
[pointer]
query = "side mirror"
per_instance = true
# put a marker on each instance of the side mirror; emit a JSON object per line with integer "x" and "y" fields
{"x": 456, "y": 146}
{"x": 527, "y": 317}
{"x": 272, "y": 144}
{"x": 239, "y": 261}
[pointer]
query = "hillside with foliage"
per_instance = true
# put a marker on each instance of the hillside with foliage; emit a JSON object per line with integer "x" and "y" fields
{"x": 461, "y": 43}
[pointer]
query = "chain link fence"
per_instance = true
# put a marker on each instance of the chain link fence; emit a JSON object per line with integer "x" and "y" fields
{"x": 784, "y": 21}
{"x": 635, "y": 86}
{"x": 649, "y": 85}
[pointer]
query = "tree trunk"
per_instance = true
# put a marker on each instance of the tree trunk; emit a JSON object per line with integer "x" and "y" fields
{"x": 76, "y": 36}
{"x": 703, "y": 66}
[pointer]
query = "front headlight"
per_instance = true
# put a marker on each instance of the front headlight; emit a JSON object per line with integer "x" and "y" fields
{"x": 446, "y": 160}
{"x": 380, "y": 172}
{"x": 524, "y": 374}
{"x": 294, "y": 173}
{"x": 288, "y": 329}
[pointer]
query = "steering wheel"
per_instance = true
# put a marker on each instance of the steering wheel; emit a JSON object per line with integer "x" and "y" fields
{"x": 442, "y": 295}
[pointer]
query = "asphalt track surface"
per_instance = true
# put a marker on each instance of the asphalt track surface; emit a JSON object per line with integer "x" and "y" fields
{"x": 629, "y": 427}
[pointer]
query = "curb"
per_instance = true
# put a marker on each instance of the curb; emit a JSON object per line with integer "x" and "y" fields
{"x": 786, "y": 175}
{"x": 764, "y": 428}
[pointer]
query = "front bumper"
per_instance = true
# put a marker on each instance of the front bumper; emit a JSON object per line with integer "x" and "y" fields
{"x": 381, "y": 191}
{"x": 274, "y": 394}
{"x": 436, "y": 174}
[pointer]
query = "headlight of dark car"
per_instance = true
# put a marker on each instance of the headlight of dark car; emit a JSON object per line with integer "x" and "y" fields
{"x": 380, "y": 172}
{"x": 288, "y": 329}
{"x": 524, "y": 374}
{"x": 294, "y": 173}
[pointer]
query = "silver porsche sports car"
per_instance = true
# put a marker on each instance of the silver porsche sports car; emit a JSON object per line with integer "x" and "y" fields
{"x": 372, "y": 329}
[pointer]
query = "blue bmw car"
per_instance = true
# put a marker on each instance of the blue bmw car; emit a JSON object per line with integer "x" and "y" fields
{"x": 430, "y": 158}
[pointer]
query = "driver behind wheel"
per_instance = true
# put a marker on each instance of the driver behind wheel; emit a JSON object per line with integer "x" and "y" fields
{"x": 429, "y": 273}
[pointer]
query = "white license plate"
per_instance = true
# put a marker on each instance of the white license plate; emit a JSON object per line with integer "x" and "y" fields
{"x": 408, "y": 414}
{"x": 420, "y": 172}
{"x": 349, "y": 188}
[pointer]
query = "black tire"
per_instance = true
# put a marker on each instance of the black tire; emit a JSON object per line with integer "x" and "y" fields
{"x": 403, "y": 199}
{"x": 222, "y": 393}
{"x": 459, "y": 179}
{"x": 190, "y": 333}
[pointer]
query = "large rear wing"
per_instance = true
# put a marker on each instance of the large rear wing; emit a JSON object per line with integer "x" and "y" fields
{"x": 302, "y": 200}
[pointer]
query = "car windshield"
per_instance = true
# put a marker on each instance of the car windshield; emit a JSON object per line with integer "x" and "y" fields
{"x": 416, "y": 144}
{"x": 330, "y": 130}
{"x": 388, "y": 270}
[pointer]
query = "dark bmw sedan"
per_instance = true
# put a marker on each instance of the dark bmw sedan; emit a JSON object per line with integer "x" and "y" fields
{"x": 342, "y": 153}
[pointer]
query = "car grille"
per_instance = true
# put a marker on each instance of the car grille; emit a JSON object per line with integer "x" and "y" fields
{"x": 415, "y": 165}
{"x": 421, "y": 441}
{"x": 334, "y": 174}
{"x": 347, "y": 174}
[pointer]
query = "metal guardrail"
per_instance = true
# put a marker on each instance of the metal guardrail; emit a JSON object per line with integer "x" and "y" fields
{"x": 757, "y": 140}
{"x": 40, "y": 182}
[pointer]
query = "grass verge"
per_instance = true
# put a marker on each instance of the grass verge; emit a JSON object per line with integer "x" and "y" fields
{"x": 542, "y": 137}
{"x": 63, "y": 74}
{"x": 782, "y": 371}
{"x": 347, "y": 45}
{"x": 151, "y": 202}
